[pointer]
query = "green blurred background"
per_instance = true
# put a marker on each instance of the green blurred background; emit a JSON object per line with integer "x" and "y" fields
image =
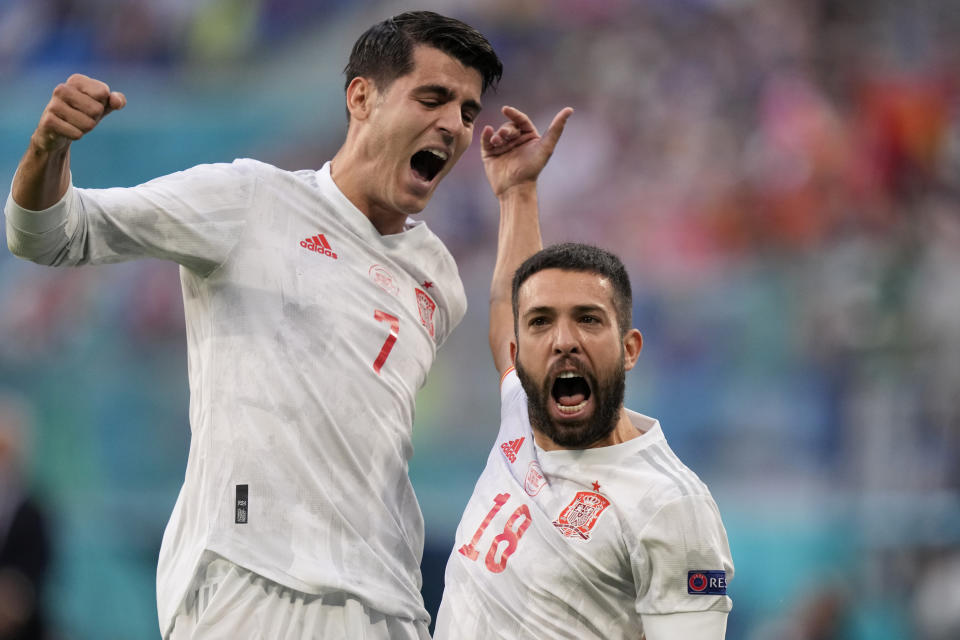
{"x": 781, "y": 177}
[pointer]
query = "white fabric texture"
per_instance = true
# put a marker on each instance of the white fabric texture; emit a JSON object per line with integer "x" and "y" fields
{"x": 580, "y": 543}
{"x": 231, "y": 602}
{"x": 702, "y": 625}
{"x": 308, "y": 336}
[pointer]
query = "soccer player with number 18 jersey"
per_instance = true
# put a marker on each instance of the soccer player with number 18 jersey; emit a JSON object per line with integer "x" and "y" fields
{"x": 584, "y": 523}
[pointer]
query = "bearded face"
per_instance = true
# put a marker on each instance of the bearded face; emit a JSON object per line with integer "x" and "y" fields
{"x": 570, "y": 387}
{"x": 572, "y": 356}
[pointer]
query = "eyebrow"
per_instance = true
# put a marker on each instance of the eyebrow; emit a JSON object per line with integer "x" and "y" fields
{"x": 447, "y": 94}
{"x": 532, "y": 311}
{"x": 580, "y": 308}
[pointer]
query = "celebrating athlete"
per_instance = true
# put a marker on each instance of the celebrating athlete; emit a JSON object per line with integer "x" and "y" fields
{"x": 584, "y": 523}
{"x": 314, "y": 306}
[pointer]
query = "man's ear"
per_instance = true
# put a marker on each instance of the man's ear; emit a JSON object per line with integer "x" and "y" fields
{"x": 632, "y": 344}
{"x": 513, "y": 353}
{"x": 361, "y": 93}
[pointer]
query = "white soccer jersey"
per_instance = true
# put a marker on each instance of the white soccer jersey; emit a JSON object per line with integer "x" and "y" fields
{"x": 308, "y": 335}
{"x": 581, "y": 543}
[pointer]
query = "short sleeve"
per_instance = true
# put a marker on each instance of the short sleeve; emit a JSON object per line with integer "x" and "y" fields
{"x": 513, "y": 400}
{"x": 449, "y": 294}
{"x": 455, "y": 306}
{"x": 681, "y": 559}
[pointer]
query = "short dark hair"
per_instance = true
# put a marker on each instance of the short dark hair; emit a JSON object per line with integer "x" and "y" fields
{"x": 573, "y": 256}
{"x": 385, "y": 51}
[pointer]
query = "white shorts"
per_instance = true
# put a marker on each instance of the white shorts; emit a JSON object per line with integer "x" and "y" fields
{"x": 233, "y": 603}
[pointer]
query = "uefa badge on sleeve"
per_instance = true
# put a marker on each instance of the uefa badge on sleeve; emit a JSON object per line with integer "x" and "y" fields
{"x": 707, "y": 583}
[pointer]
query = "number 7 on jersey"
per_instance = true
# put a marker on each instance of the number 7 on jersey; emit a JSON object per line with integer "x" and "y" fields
{"x": 383, "y": 316}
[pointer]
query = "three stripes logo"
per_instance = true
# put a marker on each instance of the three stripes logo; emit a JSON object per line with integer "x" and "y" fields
{"x": 319, "y": 244}
{"x": 511, "y": 448}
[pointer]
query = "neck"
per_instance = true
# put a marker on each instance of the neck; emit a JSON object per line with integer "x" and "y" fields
{"x": 351, "y": 175}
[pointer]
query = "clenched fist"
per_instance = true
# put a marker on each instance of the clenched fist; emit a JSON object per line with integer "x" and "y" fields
{"x": 77, "y": 106}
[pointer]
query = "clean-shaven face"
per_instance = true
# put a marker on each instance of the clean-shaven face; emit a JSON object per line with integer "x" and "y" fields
{"x": 420, "y": 126}
{"x": 570, "y": 356}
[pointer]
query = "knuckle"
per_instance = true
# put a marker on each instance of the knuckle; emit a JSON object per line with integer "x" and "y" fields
{"x": 48, "y": 121}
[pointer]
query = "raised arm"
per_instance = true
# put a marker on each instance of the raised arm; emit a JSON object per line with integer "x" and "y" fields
{"x": 75, "y": 108}
{"x": 513, "y": 157}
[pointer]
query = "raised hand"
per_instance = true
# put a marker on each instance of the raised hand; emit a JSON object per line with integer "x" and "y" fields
{"x": 515, "y": 153}
{"x": 75, "y": 108}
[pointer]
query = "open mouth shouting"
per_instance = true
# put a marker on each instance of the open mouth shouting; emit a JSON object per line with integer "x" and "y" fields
{"x": 428, "y": 163}
{"x": 571, "y": 394}
{"x": 572, "y": 407}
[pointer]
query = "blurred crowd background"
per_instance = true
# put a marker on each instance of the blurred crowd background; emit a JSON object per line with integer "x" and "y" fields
{"x": 781, "y": 177}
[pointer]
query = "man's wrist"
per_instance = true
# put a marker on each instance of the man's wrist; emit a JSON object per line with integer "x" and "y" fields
{"x": 47, "y": 148}
{"x": 520, "y": 192}
{"x": 42, "y": 177}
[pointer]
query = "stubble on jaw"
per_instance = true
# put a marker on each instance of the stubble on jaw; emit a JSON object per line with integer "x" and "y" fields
{"x": 608, "y": 396}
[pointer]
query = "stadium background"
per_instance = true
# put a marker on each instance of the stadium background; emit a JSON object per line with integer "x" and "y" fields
{"x": 782, "y": 179}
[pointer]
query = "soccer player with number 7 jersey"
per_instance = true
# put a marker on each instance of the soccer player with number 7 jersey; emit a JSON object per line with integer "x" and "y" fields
{"x": 314, "y": 307}
{"x": 584, "y": 523}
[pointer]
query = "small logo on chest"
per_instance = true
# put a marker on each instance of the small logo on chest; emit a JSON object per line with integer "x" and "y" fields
{"x": 384, "y": 279}
{"x": 511, "y": 448}
{"x": 318, "y": 244}
{"x": 579, "y": 517}
{"x": 534, "y": 480}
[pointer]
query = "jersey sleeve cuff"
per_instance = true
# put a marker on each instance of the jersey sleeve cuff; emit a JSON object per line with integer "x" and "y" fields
{"x": 703, "y": 625}
{"x": 510, "y": 389}
{"x": 38, "y": 222}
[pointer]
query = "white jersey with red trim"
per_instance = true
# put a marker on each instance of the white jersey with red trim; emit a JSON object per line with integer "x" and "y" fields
{"x": 581, "y": 543}
{"x": 308, "y": 335}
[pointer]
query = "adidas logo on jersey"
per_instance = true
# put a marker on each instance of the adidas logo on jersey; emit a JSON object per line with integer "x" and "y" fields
{"x": 319, "y": 244}
{"x": 511, "y": 448}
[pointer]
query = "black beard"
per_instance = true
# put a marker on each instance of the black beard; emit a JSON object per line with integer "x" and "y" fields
{"x": 608, "y": 394}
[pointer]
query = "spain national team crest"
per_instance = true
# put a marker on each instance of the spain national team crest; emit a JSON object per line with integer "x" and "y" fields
{"x": 581, "y": 515}
{"x": 534, "y": 480}
{"x": 427, "y": 307}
